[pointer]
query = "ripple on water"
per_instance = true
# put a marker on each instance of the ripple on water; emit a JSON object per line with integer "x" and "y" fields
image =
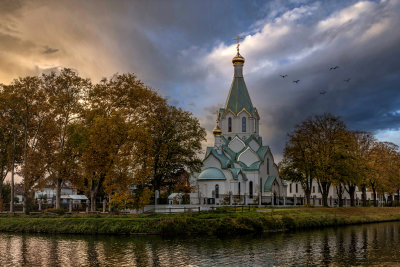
{"x": 374, "y": 244}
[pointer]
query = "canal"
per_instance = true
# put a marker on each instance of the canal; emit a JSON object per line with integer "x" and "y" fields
{"x": 373, "y": 244}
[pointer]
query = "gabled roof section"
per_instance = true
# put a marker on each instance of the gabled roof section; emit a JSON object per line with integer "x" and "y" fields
{"x": 239, "y": 98}
{"x": 262, "y": 151}
{"x": 235, "y": 173}
{"x": 253, "y": 167}
{"x": 222, "y": 158}
{"x": 230, "y": 152}
{"x": 268, "y": 183}
{"x": 224, "y": 139}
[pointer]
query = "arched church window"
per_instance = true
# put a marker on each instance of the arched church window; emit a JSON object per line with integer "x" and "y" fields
{"x": 244, "y": 124}
{"x": 229, "y": 124}
{"x": 216, "y": 191}
{"x": 239, "y": 188}
{"x": 251, "y": 189}
{"x": 268, "y": 166}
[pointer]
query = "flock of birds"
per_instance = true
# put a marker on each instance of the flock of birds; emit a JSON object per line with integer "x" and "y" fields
{"x": 322, "y": 92}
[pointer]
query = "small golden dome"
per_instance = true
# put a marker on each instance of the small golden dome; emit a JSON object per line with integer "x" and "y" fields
{"x": 217, "y": 131}
{"x": 238, "y": 59}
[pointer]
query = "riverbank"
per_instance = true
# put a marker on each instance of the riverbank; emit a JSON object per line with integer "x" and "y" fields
{"x": 222, "y": 223}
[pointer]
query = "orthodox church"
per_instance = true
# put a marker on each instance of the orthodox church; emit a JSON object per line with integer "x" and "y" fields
{"x": 238, "y": 168}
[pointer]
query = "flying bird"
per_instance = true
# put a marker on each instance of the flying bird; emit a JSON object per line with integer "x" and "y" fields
{"x": 283, "y": 76}
{"x": 347, "y": 80}
{"x": 322, "y": 92}
{"x": 296, "y": 81}
{"x": 334, "y": 68}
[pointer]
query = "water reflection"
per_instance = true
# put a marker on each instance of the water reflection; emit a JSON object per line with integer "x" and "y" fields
{"x": 356, "y": 245}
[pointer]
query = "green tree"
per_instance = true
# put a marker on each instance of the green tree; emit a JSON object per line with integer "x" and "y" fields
{"x": 298, "y": 164}
{"x": 6, "y": 143}
{"x": 66, "y": 92}
{"x": 327, "y": 133}
{"x": 36, "y": 127}
{"x": 176, "y": 137}
{"x": 382, "y": 168}
{"x": 116, "y": 123}
{"x": 314, "y": 151}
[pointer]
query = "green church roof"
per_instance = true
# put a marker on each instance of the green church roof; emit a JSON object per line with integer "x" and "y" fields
{"x": 239, "y": 98}
{"x": 268, "y": 183}
{"x": 211, "y": 174}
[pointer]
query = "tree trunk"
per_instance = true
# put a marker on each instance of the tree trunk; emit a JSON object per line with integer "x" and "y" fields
{"x": 308, "y": 198}
{"x": 375, "y": 202}
{"x": 12, "y": 177}
{"x": 324, "y": 187}
{"x": 1, "y": 196}
{"x": 364, "y": 195}
{"x": 352, "y": 191}
{"x": 398, "y": 196}
{"x": 339, "y": 192}
{"x": 94, "y": 189}
{"x": 24, "y": 200}
{"x": 325, "y": 199}
{"x": 58, "y": 193}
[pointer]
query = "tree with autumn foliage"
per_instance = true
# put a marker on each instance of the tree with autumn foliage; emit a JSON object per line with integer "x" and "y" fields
{"x": 119, "y": 137}
{"x": 314, "y": 151}
{"x": 298, "y": 162}
{"x": 382, "y": 161}
{"x": 66, "y": 92}
{"x": 176, "y": 137}
{"x": 37, "y": 129}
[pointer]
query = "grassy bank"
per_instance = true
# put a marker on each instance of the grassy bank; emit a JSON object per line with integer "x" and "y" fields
{"x": 222, "y": 223}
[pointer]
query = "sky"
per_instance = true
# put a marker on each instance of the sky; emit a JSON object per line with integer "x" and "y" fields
{"x": 184, "y": 48}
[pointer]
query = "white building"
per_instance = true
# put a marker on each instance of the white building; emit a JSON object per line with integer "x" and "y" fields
{"x": 239, "y": 168}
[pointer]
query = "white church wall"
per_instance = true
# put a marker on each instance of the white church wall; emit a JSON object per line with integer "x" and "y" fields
{"x": 254, "y": 145}
{"x": 224, "y": 122}
{"x": 228, "y": 175}
{"x": 248, "y": 157}
{"x": 236, "y": 144}
{"x": 251, "y": 125}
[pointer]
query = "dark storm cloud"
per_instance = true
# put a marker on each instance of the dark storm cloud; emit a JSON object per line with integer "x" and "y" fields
{"x": 49, "y": 50}
{"x": 184, "y": 50}
{"x": 362, "y": 39}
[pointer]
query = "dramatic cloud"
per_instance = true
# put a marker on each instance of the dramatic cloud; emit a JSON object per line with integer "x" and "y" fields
{"x": 49, "y": 50}
{"x": 362, "y": 39}
{"x": 184, "y": 49}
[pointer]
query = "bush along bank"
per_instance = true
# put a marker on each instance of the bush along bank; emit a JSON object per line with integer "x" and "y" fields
{"x": 223, "y": 223}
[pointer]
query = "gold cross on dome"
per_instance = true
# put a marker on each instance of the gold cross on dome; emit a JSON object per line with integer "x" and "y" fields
{"x": 238, "y": 38}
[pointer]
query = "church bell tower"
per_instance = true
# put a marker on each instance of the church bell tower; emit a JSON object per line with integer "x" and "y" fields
{"x": 238, "y": 117}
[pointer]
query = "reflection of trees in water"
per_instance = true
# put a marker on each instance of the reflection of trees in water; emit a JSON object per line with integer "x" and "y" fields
{"x": 326, "y": 252}
{"x": 362, "y": 245}
{"x": 352, "y": 248}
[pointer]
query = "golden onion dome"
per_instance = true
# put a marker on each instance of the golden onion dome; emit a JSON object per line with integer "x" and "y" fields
{"x": 238, "y": 59}
{"x": 217, "y": 131}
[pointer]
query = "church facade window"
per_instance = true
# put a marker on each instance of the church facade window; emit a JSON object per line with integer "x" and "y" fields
{"x": 229, "y": 124}
{"x": 290, "y": 188}
{"x": 251, "y": 189}
{"x": 297, "y": 188}
{"x": 216, "y": 191}
{"x": 244, "y": 124}
{"x": 268, "y": 166}
{"x": 239, "y": 188}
